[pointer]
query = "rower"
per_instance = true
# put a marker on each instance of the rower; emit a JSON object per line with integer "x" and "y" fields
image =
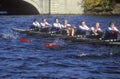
{"x": 56, "y": 26}
{"x": 111, "y": 32}
{"x": 45, "y": 25}
{"x": 67, "y": 28}
{"x": 83, "y": 29}
{"x": 35, "y": 25}
{"x": 96, "y": 32}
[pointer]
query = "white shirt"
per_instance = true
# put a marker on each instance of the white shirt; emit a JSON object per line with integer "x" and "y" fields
{"x": 36, "y": 24}
{"x": 85, "y": 27}
{"x": 45, "y": 25}
{"x": 57, "y": 25}
{"x": 63, "y": 26}
{"x": 114, "y": 28}
{"x": 99, "y": 29}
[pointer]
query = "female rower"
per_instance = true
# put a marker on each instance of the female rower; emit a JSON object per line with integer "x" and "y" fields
{"x": 45, "y": 25}
{"x": 112, "y": 31}
{"x": 56, "y": 25}
{"x": 96, "y": 32}
{"x": 83, "y": 29}
{"x": 67, "y": 28}
{"x": 35, "y": 25}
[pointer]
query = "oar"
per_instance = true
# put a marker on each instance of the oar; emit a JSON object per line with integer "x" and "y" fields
{"x": 46, "y": 44}
{"x": 50, "y": 45}
{"x": 24, "y": 40}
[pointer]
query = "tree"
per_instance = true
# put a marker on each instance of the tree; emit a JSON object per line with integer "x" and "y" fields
{"x": 91, "y": 3}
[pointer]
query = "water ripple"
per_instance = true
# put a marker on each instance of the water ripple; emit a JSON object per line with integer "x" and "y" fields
{"x": 70, "y": 61}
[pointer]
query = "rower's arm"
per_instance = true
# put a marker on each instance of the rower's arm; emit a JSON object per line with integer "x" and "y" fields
{"x": 49, "y": 25}
{"x": 93, "y": 32}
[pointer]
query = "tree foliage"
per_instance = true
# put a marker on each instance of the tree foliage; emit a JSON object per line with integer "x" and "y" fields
{"x": 92, "y": 3}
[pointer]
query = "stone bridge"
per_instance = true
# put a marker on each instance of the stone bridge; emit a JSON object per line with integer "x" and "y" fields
{"x": 41, "y": 6}
{"x": 25, "y": 7}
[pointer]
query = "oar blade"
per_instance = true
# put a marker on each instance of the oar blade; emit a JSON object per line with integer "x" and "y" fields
{"x": 50, "y": 45}
{"x": 24, "y": 40}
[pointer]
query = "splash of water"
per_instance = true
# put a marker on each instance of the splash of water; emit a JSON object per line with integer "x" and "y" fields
{"x": 8, "y": 36}
{"x": 60, "y": 42}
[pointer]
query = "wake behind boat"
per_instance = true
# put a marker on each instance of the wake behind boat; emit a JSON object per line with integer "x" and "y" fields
{"x": 76, "y": 38}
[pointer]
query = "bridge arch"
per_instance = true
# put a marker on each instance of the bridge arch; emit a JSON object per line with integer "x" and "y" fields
{"x": 17, "y": 7}
{"x": 36, "y": 4}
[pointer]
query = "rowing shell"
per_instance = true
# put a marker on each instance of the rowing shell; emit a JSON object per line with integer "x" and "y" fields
{"x": 96, "y": 41}
{"x": 32, "y": 32}
{"x": 78, "y": 38}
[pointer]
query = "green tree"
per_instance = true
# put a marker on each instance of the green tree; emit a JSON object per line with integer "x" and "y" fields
{"x": 89, "y": 4}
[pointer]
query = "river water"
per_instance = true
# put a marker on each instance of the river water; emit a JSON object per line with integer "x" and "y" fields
{"x": 31, "y": 60}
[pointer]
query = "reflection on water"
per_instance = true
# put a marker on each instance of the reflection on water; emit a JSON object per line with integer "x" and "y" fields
{"x": 31, "y": 60}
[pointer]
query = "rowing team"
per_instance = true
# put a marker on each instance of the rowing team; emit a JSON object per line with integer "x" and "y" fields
{"x": 69, "y": 30}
